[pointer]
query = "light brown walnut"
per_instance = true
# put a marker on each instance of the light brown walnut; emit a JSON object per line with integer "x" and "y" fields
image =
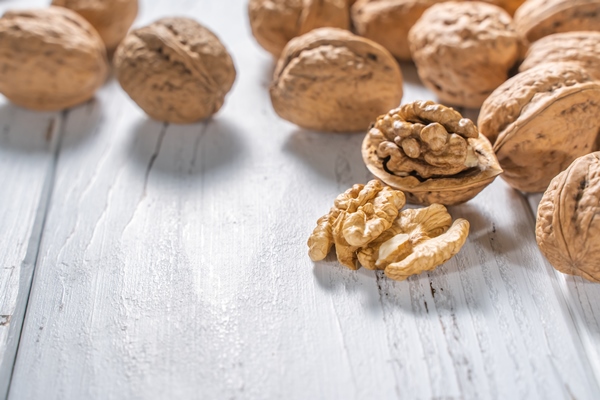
{"x": 175, "y": 69}
{"x": 540, "y": 121}
{"x": 568, "y": 227}
{"x": 111, "y": 18}
{"x": 275, "y": 22}
{"x": 332, "y": 80}
{"x": 50, "y": 58}
{"x": 430, "y": 152}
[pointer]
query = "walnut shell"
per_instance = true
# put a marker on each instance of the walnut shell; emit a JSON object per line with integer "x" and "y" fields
{"x": 540, "y": 121}
{"x": 275, "y": 22}
{"x": 111, "y": 18}
{"x": 464, "y": 50}
{"x": 582, "y": 47}
{"x": 175, "y": 69}
{"x": 538, "y": 18}
{"x": 332, "y": 80}
{"x": 50, "y": 58}
{"x": 567, "y": 229}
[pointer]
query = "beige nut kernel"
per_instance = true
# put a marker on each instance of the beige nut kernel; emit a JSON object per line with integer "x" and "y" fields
{"x": 175, "y": 69}
{"x": 111, "y": 18}
{"x": 50, "y": 58}
{"x": 430, "y": 152}
{"x": 540, "y": 121}
{"x": 567, "y": 229}
{"x": 275, "y": 22}
{"x": 332, "y": 80}
{"x": 464, "y": 50}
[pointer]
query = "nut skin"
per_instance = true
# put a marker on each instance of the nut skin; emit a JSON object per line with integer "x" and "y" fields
{"x": 51, "y": 59}
{"x": 111, "y": 18}
{"x": 331, "y": 80}
{"x": 540, "y": 121}
{"x": 275, "y": 22}
{"x": 567, "y": 228}
{"x": 538, "y": 18}
{"x": 175, "y": 69}
{"x": 464, "y": 50}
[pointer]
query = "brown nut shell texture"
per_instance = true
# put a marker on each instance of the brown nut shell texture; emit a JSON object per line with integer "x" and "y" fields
{"x": 50, "y": 58}
{"x": 540, "y": 121}
{"x": 538, "y": 18}
{"x": 275, "y": 22}
{"x": 175, "y": 69}
{"x": 111, "y": 18}
{"x": 430, "y": 152}
{"x": 332, "y": 80}
{"x": 568, "y": 227}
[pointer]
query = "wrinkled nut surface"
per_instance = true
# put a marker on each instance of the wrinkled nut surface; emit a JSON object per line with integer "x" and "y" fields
{"x": 541, "y": 120}
{"x": 50, "y": 58}
{"x": 567, "y": 229}
{"x": 275, "y": 22}
{"x": 175, "y": 69}
{"x": 332, "y": 80}
{"x": 464, "y": 50}
{"x": 538, "y": 18}
{"x": 111, "y": 18}
{"x": 359, "y": 215}
{"x": 582, "y": 47}
{"x": 430, "y": 152}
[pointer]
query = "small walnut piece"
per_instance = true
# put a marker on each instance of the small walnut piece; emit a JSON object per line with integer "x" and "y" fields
{"x": 50, "y": 58}
{"x": 430, "y": 152}
{"x": 567, "y": 229}
{"x": 464, "y": 50}
{"x": 538, "y": 18}
{"x": 275, "y": 22}
{"x": 111, "y": 18}
{"x": 332, "y": 80}
{"x": 540, "y": 121}
{"x": 582, "y": 47}
{"x": 175, "y": 69}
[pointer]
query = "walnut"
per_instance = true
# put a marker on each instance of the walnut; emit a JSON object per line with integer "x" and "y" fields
{"x": 275, "y": 22}
{"x": 567, "y": 229}
{"x": 111, "y": 18}
{"x": 582, "y": 47}
{"x": 358, "y": 216}
{"x": 50, "y": 58}
{"x": 175, "y": 69}
{"x": 538, "y": 18}
{"x": 430, "y": 152}
{"x": 540, "y": 121}
{"x": 419, "y": 240}
{"x": 332, "y": 80}
{"x": 464, "y": 50}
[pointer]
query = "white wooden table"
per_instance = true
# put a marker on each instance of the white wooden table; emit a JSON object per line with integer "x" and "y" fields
{"x": 140, "y": 260}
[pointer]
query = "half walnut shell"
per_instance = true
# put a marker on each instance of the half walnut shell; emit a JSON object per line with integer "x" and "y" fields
{"x": 430, "y": 152}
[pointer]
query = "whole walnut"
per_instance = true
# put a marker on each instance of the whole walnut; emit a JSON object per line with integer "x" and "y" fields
{"x": 50, "y": 58}
{"x": 175, "y": 69}
{"x": 332, "y": 80}
{"x": 275, "y": 22}
{"x": 541, "y": 120}
{"x": 538, "y": 18}
{"x": 464, "y": 50}
{"x": 568, "y": 227}
{"x": 111, "y": 18}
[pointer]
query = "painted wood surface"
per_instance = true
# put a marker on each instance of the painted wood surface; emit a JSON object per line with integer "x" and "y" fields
{"x": 172, "y": 264}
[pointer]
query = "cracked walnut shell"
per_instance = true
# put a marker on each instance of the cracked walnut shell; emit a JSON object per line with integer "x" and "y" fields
{"x": 541, "y": 120}
{"x": 567, "y": 229}
{"x": 332, "y": 80}
{"x": 50, "y": 58}
{"x": 275, "y": 22}
{"x": 430, "y": 152}
{"x": 175, "y": 69}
